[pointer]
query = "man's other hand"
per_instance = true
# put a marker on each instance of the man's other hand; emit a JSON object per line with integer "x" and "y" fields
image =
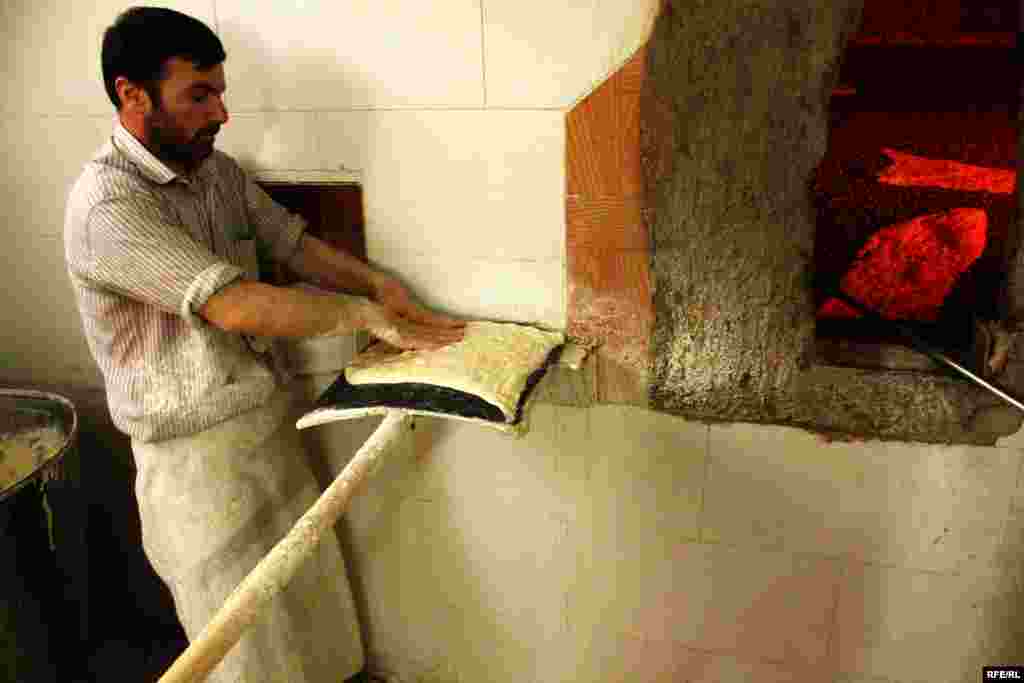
{"x": 404, "y": 333}
{"x": 393, "y": 295}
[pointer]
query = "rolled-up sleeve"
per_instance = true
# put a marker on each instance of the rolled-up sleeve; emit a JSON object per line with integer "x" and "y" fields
{"x": 276, "y": 227}
{"x": 133, "y": 248}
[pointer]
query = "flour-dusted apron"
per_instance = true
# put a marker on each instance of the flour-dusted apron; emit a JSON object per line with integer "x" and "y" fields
{"x": 212, "y": 505}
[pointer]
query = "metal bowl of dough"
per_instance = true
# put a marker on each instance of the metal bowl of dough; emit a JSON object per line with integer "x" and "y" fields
{"x": 23, "y": 411}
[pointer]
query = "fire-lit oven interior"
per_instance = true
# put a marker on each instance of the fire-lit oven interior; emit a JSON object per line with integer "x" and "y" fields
{"x": 916, "y": 197}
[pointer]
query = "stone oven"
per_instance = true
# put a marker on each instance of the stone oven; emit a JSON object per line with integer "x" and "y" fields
{"x": 784, "y": 148}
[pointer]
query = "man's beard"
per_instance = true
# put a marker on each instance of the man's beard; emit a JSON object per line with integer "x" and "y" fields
{"x": 167, "y": 142}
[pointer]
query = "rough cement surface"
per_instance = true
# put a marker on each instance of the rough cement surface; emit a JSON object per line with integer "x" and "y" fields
{"x": 734, "y": 121}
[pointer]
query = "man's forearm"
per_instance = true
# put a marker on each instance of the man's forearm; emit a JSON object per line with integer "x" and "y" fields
{"x": 321, "y": 264}
{"x": 264, "y": 310}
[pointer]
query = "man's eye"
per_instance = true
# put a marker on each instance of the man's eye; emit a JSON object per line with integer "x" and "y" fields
{"x": 199, "y": 98}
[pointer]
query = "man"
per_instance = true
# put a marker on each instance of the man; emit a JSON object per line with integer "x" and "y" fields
{"x": 161, "y": 237}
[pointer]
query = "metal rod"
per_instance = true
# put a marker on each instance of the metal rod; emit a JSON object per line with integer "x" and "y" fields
{"x": 924, "y": 347}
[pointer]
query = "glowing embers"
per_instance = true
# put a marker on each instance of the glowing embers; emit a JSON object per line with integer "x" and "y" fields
{"x": 906, "y": 270}
{"x": 910, "y": 170}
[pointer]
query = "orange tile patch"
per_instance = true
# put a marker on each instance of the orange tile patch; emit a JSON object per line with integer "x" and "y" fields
{"x": 606, "y": 223}
{"x": 610, "y": 296}
{"x": 604, "y": 138}
{"x": 609, "y": 285}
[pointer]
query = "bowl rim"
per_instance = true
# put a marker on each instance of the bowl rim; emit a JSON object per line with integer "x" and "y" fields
{"x": 68, "y": 414}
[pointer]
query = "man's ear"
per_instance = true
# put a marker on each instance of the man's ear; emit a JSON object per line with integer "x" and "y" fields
{"x": 132, "y": 96}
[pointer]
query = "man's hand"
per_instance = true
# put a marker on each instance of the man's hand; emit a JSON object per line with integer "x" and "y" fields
{"x": 392, "y": 294}
{"x": 398, "y": 331}
{"x": 401, "y": 322}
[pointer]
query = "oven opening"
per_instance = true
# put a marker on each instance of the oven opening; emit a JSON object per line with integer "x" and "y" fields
{"x": 916, "y": 195}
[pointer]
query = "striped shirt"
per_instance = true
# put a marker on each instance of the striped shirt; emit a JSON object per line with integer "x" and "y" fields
{"x": 146, "y": 247}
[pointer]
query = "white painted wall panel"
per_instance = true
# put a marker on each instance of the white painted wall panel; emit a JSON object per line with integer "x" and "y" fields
{"x": 552, "y": 54}
{"x": 456, "y": 184}
{"x": 322, "y": 55}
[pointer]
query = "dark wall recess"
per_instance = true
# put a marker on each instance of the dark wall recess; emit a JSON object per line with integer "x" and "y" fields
{"x": 335, "y": 215}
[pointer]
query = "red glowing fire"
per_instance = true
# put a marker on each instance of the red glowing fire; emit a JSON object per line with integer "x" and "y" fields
{"x": 906, "y": 270}
{"x": 909, "y": 169}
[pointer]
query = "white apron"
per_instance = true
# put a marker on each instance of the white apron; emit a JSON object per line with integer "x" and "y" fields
{"x": 212, "y": 505}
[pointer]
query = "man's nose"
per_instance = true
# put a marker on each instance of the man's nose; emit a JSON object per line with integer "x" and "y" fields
{"x": 223, "y": 115}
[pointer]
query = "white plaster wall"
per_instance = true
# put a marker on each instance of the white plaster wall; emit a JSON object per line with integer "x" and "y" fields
{"x": 611, "y": 544}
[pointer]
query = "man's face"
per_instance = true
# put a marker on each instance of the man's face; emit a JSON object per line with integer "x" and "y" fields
{"x": 180, "y": 128}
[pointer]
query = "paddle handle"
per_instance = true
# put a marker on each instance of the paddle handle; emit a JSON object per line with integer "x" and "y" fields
{"x": 274, "y": 571}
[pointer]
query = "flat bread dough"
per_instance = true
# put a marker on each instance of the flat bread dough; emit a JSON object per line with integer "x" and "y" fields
{"x": 493, "y": 361}
{"x": 24, "y": 450}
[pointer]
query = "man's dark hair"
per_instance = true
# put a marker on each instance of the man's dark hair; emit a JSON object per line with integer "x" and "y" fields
{"x": 142, "y": 39}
